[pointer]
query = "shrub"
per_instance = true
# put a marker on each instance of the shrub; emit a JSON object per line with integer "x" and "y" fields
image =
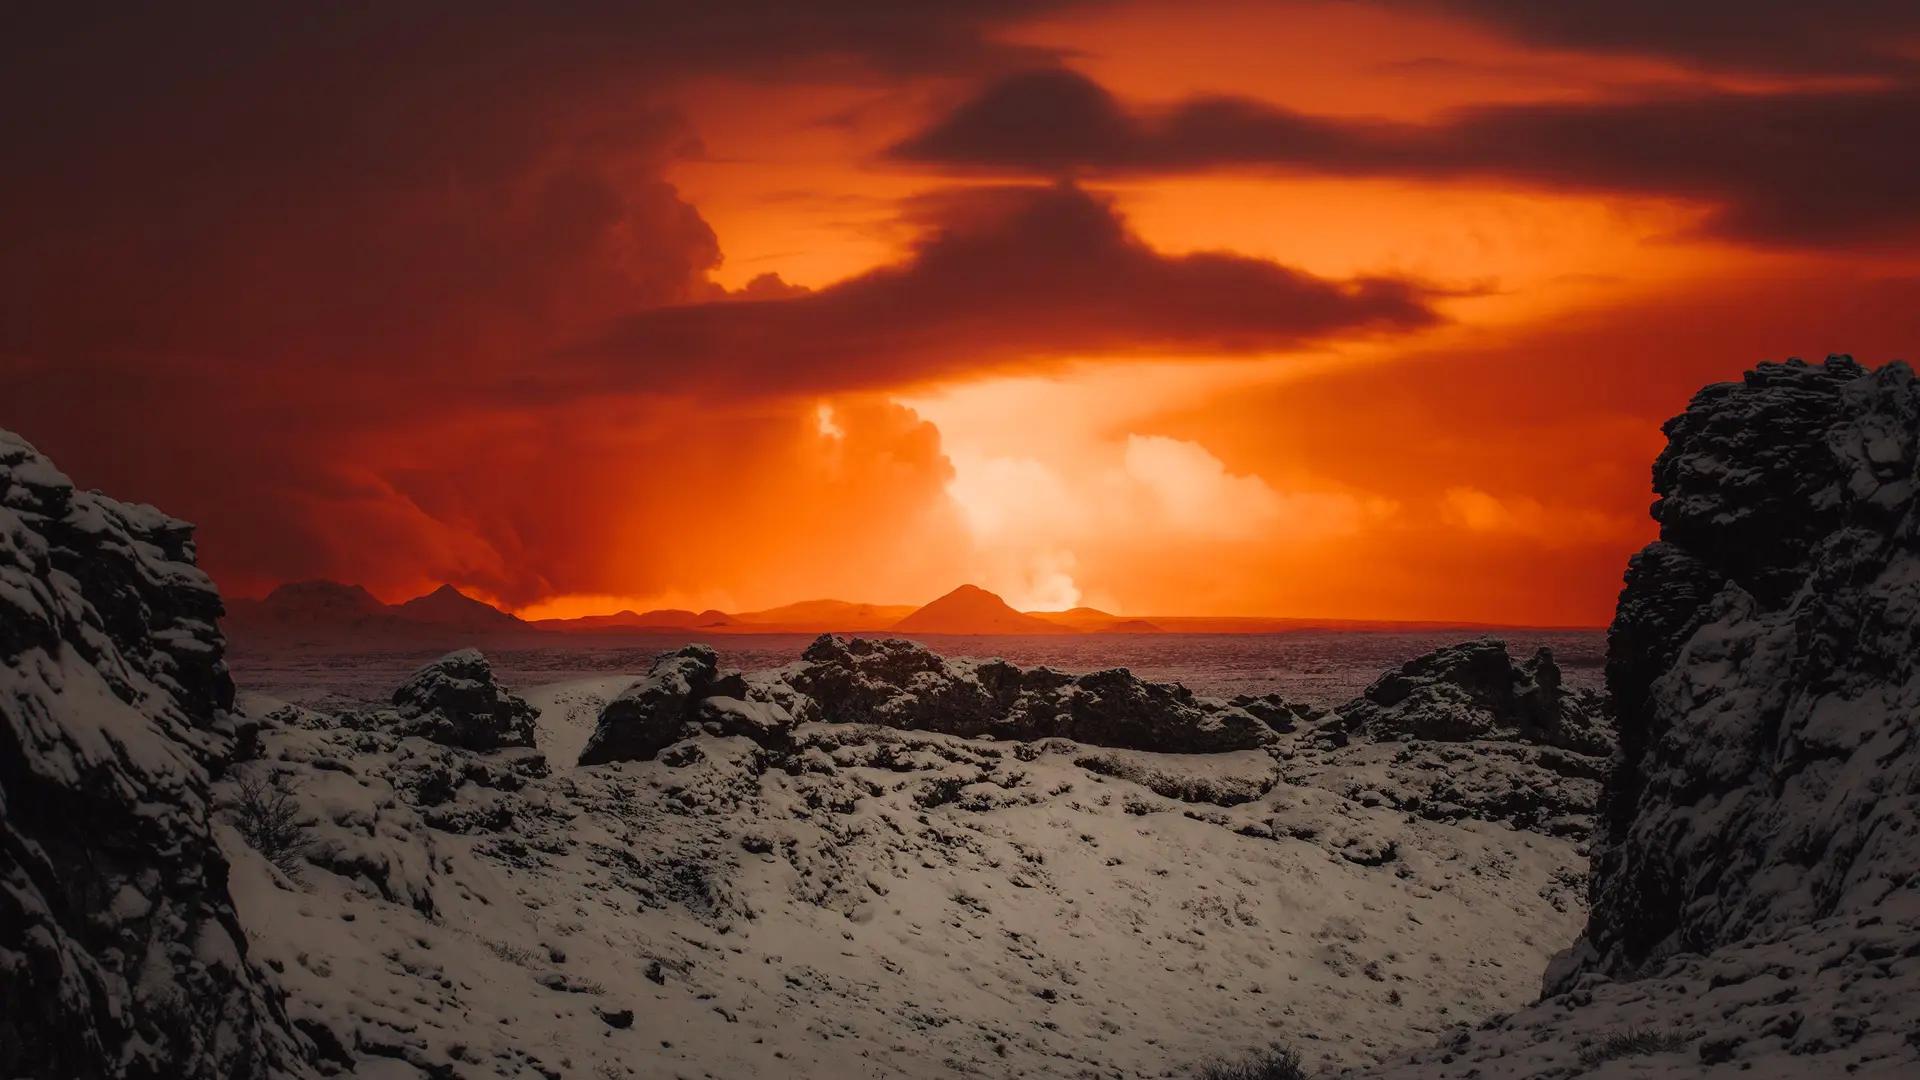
{"x": 268, "y": 816}
{"x": 1633, "y": 1042}
{"x": 1276, "y": 1062}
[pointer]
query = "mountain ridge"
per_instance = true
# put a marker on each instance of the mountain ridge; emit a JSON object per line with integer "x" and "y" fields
{"x": 971, "y": 610}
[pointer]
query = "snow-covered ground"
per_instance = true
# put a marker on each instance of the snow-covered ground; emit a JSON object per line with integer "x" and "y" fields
{"x": 877, "y": 903}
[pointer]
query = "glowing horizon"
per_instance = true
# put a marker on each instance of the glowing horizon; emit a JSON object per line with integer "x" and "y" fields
{"x": 1315, "y": 310}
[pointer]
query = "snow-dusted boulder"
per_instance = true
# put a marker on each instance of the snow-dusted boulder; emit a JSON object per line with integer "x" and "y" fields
{"x": 1474, "y": 690}
{"x": 455, "y": 701}
{"x": 1463, "y": 733}
{"x": 650, "y": 715}
{"x": 120, "y": 953}
{"x": 901, "y": 684}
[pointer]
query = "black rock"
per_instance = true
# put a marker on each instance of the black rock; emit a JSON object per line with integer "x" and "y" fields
{"x": 120, "y": 953}
{"x": 1765, "y": 666}
{"x": 651, "y": 715}
{"x": 455, "y": 701}
{"x": 1474, "y": 691}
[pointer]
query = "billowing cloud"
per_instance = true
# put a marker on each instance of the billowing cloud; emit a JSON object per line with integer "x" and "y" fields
{"x": 1000, "y": 276}
{"x": 1844, "y": 37}
{"x": 1794, "y": 166}
{"x": 1090, "y": 518}
{"x": 295, "y": 278}
{"x": 388, "y": 295}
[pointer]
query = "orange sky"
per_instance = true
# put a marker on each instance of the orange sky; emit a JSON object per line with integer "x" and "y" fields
{"x": 1346, "y": 309}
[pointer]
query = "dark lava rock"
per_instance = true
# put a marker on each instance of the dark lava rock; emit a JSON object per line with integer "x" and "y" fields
{"x": 120, "y": 954}
{"x": 455, "y": 701}
{"x": 1765, "y": 664}
{"x": 899, "y": 684}
{"x": 650, "y": 715}
{"x": 902, "y": 684}
{"x": 1474, "y": 691}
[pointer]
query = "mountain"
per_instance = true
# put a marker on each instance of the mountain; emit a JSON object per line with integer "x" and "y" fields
{"x": 655, "y": 619}
{"x": 1094, "y": 621}
{"x": 311, "y": 601}
{"x": 328, "y": 613}
{"x": 828, "y": 616}
{"x": 970, "y": 609}
{"x": 448, "y": 607}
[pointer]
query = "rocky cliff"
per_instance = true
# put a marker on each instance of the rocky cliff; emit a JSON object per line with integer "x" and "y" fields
{"x": 120, "y": 952}
{"x": 1766, "y": 661}
{"x": 1756, "y": 876}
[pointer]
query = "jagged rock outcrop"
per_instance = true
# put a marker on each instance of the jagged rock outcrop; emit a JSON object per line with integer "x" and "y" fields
{"x": 1766, "y": 663}
{"x": 1474, "y": 690}
{"x": 1464, "y": 732}
{"x": 455, "y": 701}
{"x": 1755, "y": 891}
{"x": 120, "y": 953}
{"x": 900, "y": 684}
{"x": 1461, "y": 733}
{"x": 652, "y": 714}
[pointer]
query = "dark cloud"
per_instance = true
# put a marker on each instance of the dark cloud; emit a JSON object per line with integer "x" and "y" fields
{"x": 293, "y": 273}
{"x": 1000, "y": 276}
{"x": 1786, "y": 167}
{"x": 1844, "y": 37}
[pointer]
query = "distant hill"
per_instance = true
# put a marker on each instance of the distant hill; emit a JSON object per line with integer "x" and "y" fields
{"x": 309, "y": 602}
{"x": 828, "y": 615}
{"x": 447, "y": 606}
{"x": 320, "y": 612}
{"x": 655, "y": 619}
{"x": 1094, "y": 621}
{"x": 970, "y": 609}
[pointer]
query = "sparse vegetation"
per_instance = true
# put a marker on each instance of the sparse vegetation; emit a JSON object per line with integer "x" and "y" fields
{"x": 1633, "y": 1042}
{"x": 267, "y": 813}
{"x": 941, "y": 791}
{"x": 1275, "y": 1062}
{"x": 511, "y": 953}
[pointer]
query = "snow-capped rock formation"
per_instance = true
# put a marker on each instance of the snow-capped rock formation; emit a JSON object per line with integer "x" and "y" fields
{"x": 653, "y": 713}
{"x": 454, "y": 700}
{"x": 1460, "y": 733}
{"x": 1474, "y": 690}
{"x": 900, "y": 684}
{"x": 120, "y": 952}
{"x": 1766, "y": 657}
{"x": 1756, "y": 880}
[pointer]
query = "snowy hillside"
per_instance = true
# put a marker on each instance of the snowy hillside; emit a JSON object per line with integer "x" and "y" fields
{"x": 860, "y": 900}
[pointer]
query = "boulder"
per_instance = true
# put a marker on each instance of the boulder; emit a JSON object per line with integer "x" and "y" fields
{"x": 650, "y": 715}
{"x": 1474, "y": 691}
{"x": 455, "y": 701}
{"x": 898, "y": 683}
{"x": 1755, "y": 882}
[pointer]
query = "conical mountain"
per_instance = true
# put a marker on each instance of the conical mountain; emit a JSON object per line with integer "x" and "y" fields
{"x": 970, "y": 609}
